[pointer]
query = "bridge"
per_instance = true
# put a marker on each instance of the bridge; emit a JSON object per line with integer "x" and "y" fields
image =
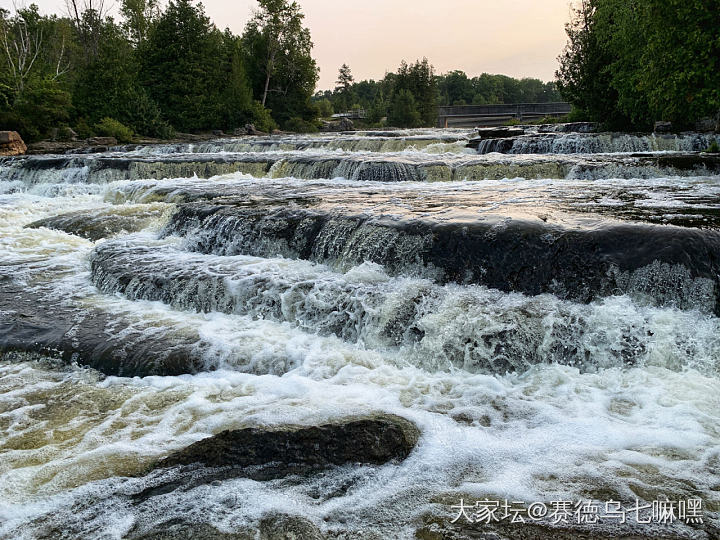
{"x": 355, "y": 114}
{"x": 497, "y": 115}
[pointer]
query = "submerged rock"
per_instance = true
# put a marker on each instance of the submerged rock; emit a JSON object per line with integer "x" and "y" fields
{"x": 298, "y": 450}
{"x": 94, "y": 224}
{"x": 271, "y": 527}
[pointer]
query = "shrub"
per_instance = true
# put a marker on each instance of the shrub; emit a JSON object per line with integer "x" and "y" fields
{"x": 109, "y": 127}
{"x": 261, "y": 118}
{"x": 298, "y": 125}
{"x": 83, "y": 129}
{"x": 714, "y": 148}
{"x": 145, "y": 117}
{"x": 325, "y": 108}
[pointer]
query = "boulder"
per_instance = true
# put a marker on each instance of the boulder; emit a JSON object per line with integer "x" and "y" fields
{"x": 293, "y": 449}
{"x": 288, "y": 451}
{"x": 706, "y": 124}
{"x": 499, "y": 132}
{"x": 249, "y": 129}
{"x": 11, "y": 144}
{"x": 663, "y": 127}
{"x": 53, "y": 147}
{"x": 343, "y": 124}
{"x": 346, "y": 125}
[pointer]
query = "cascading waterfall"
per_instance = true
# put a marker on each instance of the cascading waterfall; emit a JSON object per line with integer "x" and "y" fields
{"x": 548, "y": 321}
{"x": 581, "y": 143}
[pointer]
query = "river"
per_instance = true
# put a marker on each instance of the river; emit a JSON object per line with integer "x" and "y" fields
{"x": 547, "y": 317}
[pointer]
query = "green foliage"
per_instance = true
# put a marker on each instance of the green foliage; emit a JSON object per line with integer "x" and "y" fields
{"x": 277, "y": 56}
{"x": 43, "y": 106}
{"x": 714, "y": 148}
{"x": 378, "y": 110}
{"x": 628, "y": 64}
{"x": 262, "y": 118}
{"x": 325, "y": 108}
{"x": 403, "y": 110}
{"x": 83, "y": 129}
{"x": 181, "y": 66}
{"x": 139, "y": 16}
{"x": 298, "y": 125}
{"x": 109, "y": 127}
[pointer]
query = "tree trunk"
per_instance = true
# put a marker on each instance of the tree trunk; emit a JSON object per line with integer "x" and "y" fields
{"x": 267, "y": 85}
{"x": 268, "y": 73}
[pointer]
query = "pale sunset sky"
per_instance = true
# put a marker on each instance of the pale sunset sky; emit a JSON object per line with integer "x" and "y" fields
{"x": 521, "y": 38}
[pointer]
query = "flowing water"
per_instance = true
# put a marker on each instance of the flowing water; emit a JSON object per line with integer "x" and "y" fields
{"x": 548, "y": 317}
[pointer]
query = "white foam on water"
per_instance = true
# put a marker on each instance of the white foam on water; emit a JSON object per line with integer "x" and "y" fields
{"x": 74, "y": 444}
{"x": 622, "y": 432}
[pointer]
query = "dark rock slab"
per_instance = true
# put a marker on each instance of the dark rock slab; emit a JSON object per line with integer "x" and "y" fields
{"x": 30, "y": 321}
{"x": 286, "y": 451}
{"x": 495, "y": 133}
{"x": 290, "y": 451}
{"x": 97, "y": 224}
{"x": 579, "y": 259}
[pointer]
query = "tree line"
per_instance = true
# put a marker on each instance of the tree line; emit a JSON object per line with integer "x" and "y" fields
{"x": 410, "y": 96}
{"x": 153, "y": 71}
{"x": 629, "y": 63}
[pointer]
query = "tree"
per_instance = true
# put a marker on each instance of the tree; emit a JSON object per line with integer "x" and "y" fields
{"x": 34, "y": 63}
{"x": 87, "y": 17}
{"x": 628, "y": 64}
{"x": 419, "y": 80}
{"x": 277, "y": 38}
{"x": 183, "y": 66}
{"x": 138, "y": 16}
{"x": 344, "y": 87}
{"x": 403, "y": 110}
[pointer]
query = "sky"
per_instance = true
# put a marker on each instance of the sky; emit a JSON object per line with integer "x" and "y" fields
{"x": 520, "y": 38}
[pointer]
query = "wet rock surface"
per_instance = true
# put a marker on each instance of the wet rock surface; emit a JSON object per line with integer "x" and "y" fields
{"x": 295, "y": 451}
{"x": 532, "y": 254}
{"x": 33, "y": 322}
{"x": 299, "y": 450}
{"x": 95, "y": 224}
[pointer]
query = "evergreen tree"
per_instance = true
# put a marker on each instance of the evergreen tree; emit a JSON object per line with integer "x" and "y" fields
{"x": 403, "y": 110}
{"x": 628, "y": 64}
{"x": 344, "y": 87}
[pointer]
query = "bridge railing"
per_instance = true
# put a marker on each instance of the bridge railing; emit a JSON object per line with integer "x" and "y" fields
{"x": 353, "y": 115}
{"x": 479, "y": 115}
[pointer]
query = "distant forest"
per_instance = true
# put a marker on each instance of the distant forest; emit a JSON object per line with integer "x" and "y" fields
{"x": 154, "y": 72}
{"x": 410, "y": 96}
